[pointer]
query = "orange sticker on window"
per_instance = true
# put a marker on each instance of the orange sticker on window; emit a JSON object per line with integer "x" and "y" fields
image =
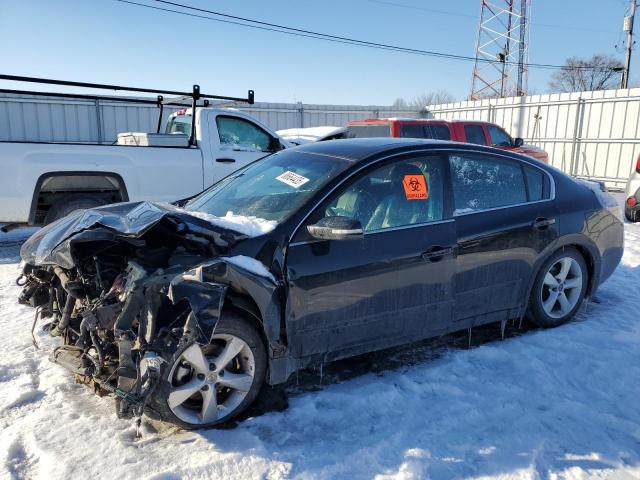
{"x": 415, "y": 187}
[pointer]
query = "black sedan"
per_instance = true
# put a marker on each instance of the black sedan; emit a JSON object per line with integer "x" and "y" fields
{"x": 309, "y": 255}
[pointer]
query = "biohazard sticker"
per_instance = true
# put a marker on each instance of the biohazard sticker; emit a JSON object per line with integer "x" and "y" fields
{"x": 415, "y": 187}
{"x": 292, "y": 179}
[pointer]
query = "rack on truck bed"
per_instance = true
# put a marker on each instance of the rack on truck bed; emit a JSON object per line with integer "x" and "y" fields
{"x": 195, "y": 95}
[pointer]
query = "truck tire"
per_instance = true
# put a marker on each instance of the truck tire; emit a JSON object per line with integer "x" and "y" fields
{"x": 68, "y": 203}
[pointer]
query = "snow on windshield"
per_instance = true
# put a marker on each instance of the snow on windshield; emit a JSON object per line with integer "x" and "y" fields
{"x": 246, "y": 225}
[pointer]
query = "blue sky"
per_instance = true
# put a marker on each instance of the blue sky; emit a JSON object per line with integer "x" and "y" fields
{"x": 109, "y": 42}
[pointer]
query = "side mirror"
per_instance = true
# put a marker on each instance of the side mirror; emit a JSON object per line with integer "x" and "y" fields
{"x": 276, "y": 145}
{"x": 336, "y": 228}
{"x": 518, "y": 142}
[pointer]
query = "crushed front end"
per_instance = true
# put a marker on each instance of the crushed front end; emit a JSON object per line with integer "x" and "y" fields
{"x": 122, "y": 287}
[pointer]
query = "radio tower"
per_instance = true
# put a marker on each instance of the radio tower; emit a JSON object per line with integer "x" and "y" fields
{"x": 502, "y": 53}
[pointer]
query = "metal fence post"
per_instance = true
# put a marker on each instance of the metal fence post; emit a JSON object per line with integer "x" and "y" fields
{"x": 577, "y": 135}
{"x": 99, "y": 120}
{"x": 300, "y": 115}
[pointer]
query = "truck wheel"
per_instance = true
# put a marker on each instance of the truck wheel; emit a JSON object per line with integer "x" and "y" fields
{"x": 68, "y": 203}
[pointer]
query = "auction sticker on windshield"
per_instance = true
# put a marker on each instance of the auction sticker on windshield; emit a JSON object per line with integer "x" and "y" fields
{"x": 292, "y": 179}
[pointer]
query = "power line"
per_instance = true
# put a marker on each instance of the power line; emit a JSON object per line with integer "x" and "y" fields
{"x": 475, "y": 17}
{"x": 272, "y": 27}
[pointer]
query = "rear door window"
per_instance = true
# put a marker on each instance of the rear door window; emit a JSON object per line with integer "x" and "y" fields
{"x": 425, "y": 130}
{"x": 499, "y": 138}
{"x": 475, "y": 134}
{"x": 481, "y": 182}
{"x": 412, "y": 130}
{"x": 369, "y": 131}
{"x": 537, "y": 184}
{"x": 439, "y": 132}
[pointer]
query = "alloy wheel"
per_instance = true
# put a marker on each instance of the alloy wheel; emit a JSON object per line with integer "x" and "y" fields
{"x": 561, "y": 287}
{"x": 209, "y": 382}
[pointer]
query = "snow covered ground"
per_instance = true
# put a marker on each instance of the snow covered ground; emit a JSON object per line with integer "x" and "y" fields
{"x": 561, "y": 403}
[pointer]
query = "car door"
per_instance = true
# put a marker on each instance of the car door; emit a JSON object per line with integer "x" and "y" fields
{"x": 240, "y": 142}
{"x": 392, "y": 285}
{"x": 504, "y": 220}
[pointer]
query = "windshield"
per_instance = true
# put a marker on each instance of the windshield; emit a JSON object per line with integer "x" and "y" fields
{"x": 271, "y": 188}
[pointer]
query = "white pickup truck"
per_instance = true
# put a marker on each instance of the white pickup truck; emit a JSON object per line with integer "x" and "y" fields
{"x": 42, "y": 182}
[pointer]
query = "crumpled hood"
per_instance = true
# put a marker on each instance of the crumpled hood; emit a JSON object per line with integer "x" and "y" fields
{"x": 125, "y": 221}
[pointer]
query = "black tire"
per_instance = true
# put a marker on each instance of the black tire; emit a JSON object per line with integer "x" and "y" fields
{"x": 632, "y": 216}
{"x": 536, "y": 312}
{"x": 69, "y": 203}
{"x": 230, "y": 323}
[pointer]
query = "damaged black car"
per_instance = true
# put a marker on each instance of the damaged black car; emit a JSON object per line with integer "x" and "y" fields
{"x": 310, "y": 255}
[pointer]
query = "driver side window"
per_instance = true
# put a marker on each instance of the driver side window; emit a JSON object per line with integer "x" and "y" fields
{"x": 499, "y": 137}
{"x": 403, "y": 193}
{"x": 241, "y": 134}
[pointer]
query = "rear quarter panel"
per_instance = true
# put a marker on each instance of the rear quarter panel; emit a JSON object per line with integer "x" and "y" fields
{"x": 584, "y": 221}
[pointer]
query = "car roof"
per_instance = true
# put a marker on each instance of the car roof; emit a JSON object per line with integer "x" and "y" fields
{"x": 373, "y": 121}
{"x": 359, "y": 149}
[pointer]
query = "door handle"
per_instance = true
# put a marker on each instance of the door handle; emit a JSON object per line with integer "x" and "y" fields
{"x": 541, "y": 223}
{"x": 436, "y": 253}
{"x": 225, "y": 160}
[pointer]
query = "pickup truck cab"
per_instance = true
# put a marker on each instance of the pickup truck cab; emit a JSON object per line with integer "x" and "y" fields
{"x": 45, "y": 181}
{"x": 468, "y": 131}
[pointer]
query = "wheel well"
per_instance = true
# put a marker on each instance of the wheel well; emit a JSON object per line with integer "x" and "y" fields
{"x": 50, "y": 187}
{"x": 588, "y": 259}
{"x": 245, "y": 306}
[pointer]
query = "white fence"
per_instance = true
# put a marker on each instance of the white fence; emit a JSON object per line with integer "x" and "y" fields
{"x": 51, "y": 119}
{"x": 587, "y": 134}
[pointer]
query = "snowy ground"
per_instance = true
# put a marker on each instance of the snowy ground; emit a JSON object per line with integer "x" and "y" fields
{"x": 561, "y": 403}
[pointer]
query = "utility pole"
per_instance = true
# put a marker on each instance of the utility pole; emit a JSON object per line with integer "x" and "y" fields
{"x": 628, "y": 28}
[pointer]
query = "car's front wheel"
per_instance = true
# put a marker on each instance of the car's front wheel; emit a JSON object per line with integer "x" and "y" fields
{"x": 559, "y": 288}
{"x": 207, "y": 385}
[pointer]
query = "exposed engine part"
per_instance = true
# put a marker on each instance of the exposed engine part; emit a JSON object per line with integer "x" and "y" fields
{"x": 126, "y": 292}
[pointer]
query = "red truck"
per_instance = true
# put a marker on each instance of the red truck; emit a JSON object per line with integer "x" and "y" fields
{"x": 469, "y": 131}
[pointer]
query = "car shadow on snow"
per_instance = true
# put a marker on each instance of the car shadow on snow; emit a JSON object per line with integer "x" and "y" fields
{"x": 275, "y": 398}
{"x": 454, "y": 437}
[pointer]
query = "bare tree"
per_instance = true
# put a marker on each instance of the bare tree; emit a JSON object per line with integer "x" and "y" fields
{"x": 421, "y": 101}
{"x": 599, "y": 72}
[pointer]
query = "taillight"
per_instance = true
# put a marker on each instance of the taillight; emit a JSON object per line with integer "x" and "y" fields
{"x": 631, "y": 201}
{"x": 638, "y": 164}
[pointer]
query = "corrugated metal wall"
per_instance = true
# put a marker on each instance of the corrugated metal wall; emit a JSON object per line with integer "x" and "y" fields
{"x": 587, "y": 134}
{"x": 50, "y": 119}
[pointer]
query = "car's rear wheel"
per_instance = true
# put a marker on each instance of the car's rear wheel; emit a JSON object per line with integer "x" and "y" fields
{"x": 69, "y": 203}
{"x": 207, "y": 385}
{"x": 559, "y": 288}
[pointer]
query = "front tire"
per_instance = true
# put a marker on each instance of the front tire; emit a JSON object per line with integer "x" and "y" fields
{"x": 208, "y": 385}
{"x": 559, "y": 288}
